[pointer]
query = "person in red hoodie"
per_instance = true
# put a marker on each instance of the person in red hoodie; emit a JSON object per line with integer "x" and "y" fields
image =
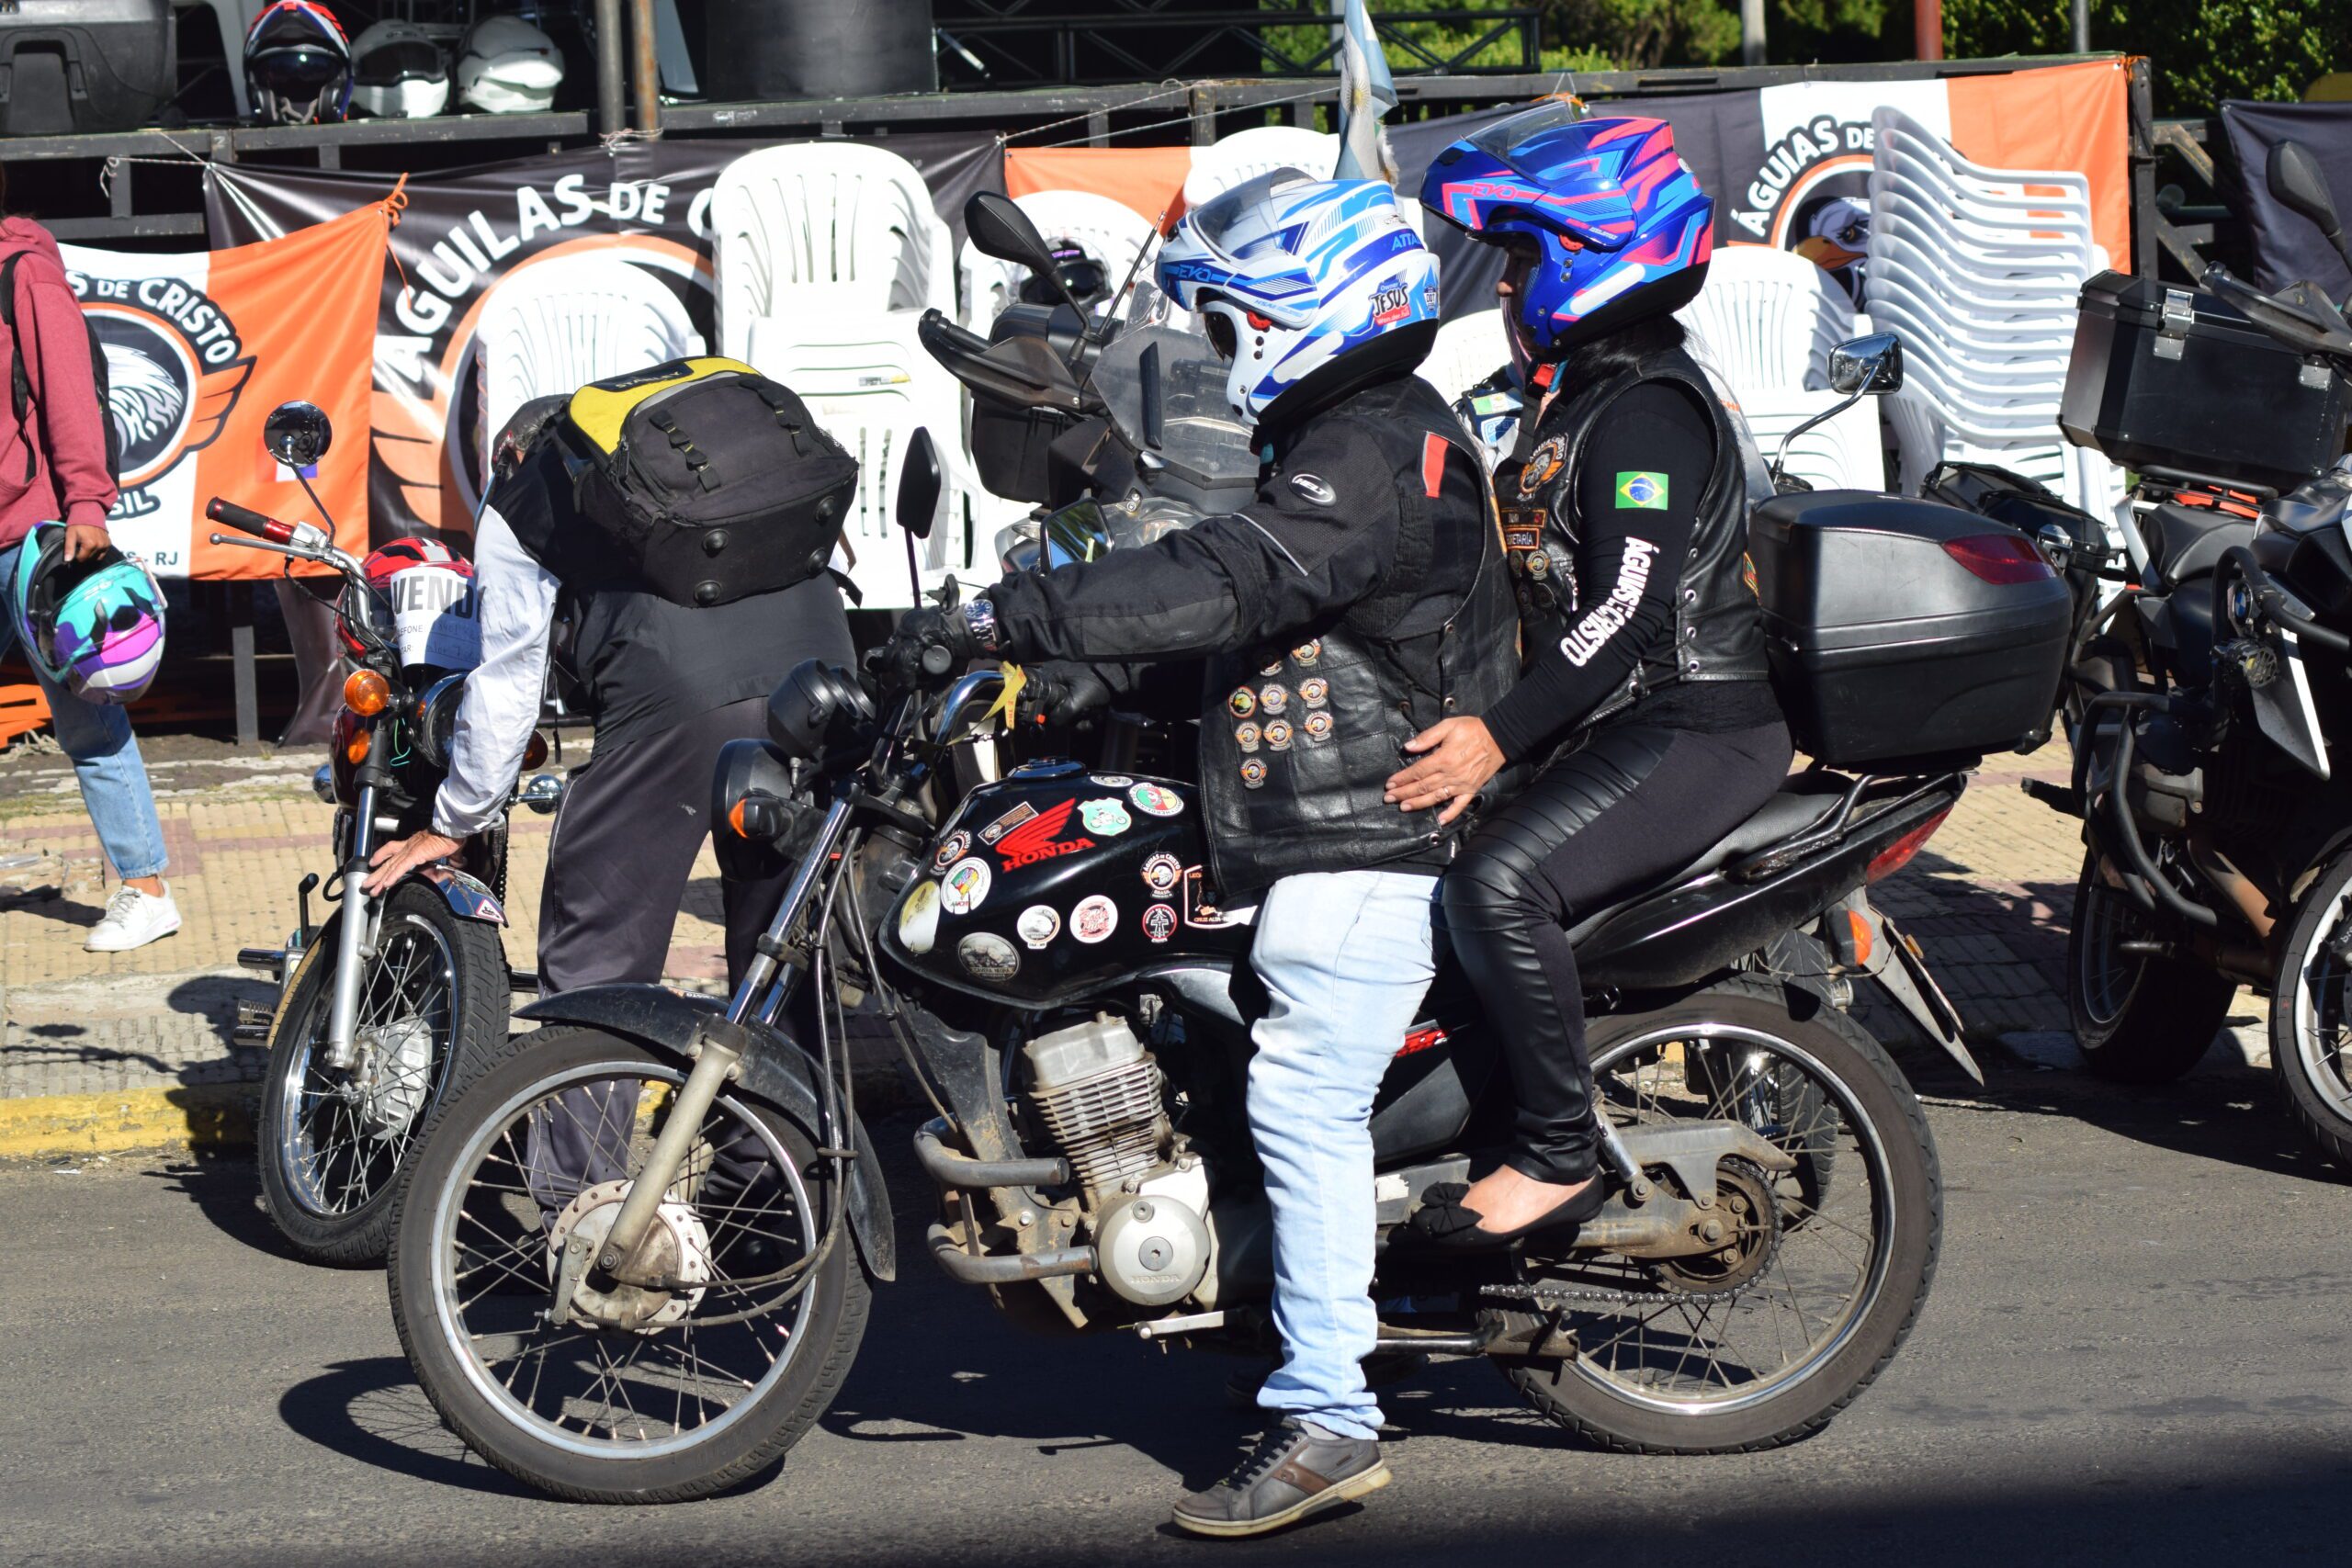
{"x": 53, "y": 468}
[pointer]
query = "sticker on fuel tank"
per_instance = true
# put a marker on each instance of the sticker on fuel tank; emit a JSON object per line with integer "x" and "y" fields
{"x": 1159, "y": 922}
{"x": 1162, "y": 872}
{"x": 1105, "y": 816}
{"x": 1157, "y": 800}
{"x": 988, "y": 956}
{"x": 966, "y": 885}
{"x": 1094, "y": 919}
{"x": 1038, "y": 925}
{"x": 1007, "y": 823}
{"x": 952, "y": 847}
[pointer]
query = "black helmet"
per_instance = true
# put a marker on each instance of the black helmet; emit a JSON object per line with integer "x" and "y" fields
{"x": 1086, "y": 279}
{"x": 297, "y": 63}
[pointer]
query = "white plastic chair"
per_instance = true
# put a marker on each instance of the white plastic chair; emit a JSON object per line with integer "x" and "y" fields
{"x": 1245, "y": 154}
{"x": 1468, "y": 349}
{"x": 558, "y": 324}
{"x": 821, "y": 230}
{"x": 1765, "y": 322}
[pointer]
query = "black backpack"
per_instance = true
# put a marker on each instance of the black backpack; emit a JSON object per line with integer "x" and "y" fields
{"x": 21, "y": 386}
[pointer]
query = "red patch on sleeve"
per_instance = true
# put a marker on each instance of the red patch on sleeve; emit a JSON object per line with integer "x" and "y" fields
{"x": 1433, "y": 450}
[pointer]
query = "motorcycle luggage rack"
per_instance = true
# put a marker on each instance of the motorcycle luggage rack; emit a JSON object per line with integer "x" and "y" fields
{"x": 1834, "y": 828}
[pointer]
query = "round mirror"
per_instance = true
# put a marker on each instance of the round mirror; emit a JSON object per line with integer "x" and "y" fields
{"x": 298, "y": 434}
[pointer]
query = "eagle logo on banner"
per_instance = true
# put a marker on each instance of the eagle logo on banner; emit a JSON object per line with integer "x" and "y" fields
{"x": 164, "y": 402}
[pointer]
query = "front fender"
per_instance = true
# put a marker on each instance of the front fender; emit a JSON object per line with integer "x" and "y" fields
{"x": 781, "y": 1074}
{"x": 469, "y": 897}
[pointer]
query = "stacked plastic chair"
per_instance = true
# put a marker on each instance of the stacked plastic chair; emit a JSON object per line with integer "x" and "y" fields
{"x": 1468, "y": 349}
{"x": 825, "y": 256}
{"x": 1245, "y": 154}
{"x": 560, "y": 323}
{"x": 1980, "y": 271}
{"x": 1765, "y": 323}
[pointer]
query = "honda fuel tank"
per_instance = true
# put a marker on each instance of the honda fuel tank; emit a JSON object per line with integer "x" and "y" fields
{"x": 1058, "y": 881}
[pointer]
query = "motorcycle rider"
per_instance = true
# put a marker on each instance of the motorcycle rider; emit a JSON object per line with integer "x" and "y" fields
{"x": 1358, "y": 599}
{"x": 1624, "y": 516}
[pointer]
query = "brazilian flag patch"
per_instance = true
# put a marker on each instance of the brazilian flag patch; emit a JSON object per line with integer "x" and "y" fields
{"x": 1642, "y": 491}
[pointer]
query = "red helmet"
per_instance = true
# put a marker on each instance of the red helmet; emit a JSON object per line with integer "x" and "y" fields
{"x": 426, "y": 605}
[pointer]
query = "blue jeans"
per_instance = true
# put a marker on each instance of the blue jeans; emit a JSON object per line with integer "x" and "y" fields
{"x": 107, "y": 764}
{"x": 1345, "y": 958}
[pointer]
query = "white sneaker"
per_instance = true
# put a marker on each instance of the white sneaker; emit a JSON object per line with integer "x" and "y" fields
{"x": 133, "y": 919}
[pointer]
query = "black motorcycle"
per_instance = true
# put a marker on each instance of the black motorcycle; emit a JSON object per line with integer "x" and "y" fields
{"x": 1071, "y": 990}
{"x": 2204, "y": 698}
{"x": 396, "y": 999}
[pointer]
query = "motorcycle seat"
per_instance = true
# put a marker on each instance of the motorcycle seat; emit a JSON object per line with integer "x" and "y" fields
{"x": 2186, "y": 542}
{"x": 1802, "y": 802}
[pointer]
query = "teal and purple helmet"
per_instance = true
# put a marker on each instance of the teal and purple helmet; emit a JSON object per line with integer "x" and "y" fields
{"x": 1605, "y": 223}
{"x": 94, "y": 626}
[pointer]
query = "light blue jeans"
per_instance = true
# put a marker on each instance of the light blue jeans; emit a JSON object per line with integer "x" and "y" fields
{"x": 1345, "y": 958}
{"x": 106, "y": 764}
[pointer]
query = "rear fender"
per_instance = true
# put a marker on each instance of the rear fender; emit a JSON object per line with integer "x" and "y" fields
{"x": 782, "y": 1075}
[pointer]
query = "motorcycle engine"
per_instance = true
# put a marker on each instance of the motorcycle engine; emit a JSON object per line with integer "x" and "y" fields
{"x": 1095, "y": 1092}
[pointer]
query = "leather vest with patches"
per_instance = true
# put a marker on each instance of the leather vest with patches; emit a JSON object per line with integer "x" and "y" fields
{"x": 1718, "y": 626}
{"x": 1297, "y": 742}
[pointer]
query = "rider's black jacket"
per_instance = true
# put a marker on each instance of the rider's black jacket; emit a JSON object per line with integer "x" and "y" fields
{"x": 1592, "y": 582}
{"x": 1357, "y": 601}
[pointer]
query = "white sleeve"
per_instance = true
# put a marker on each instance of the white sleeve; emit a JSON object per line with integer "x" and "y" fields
{"x": 501, "y": 704}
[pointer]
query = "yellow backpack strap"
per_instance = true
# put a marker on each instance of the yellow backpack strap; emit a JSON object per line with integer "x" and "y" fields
{"x": 600, "y": 409}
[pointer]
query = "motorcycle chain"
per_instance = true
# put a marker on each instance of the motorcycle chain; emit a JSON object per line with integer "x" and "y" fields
{"x": 1556, "y": 1298}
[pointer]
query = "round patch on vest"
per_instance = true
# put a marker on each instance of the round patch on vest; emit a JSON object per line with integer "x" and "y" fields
{"x": 1253, "y": 772}
{"x": 1308, "y": 652}
{"x": 1273, "y": 699}
{"x": 1242, "y": 703}
{"x": 1278, "y": 736}
{"x": 1314, "y": 691}
{"x": 1543, "y": 464}
{"x": 1316, "y": 728}
{"x": 1246, "y": 737}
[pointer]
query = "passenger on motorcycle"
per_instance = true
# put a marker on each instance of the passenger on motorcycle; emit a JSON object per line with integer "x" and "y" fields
{"x": 1357, "y": 601}
{"x": 1644, "y": 700}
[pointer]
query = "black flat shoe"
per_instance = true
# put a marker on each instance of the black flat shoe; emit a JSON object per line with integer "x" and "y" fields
{"x": 1443, "y": 1225}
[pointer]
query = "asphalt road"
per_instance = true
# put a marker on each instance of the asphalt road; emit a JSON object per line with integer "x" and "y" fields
{"x": 2137, "y": 1351}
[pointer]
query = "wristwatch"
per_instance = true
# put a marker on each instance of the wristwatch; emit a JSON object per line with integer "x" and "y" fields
{"x": 980, "y": 626}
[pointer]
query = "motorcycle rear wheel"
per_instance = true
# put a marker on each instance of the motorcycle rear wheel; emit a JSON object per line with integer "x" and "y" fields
{"x": 2138, "y": 1018}
{"x": 330, "y": 1153}
{"x": 1661, "y": 1380}
{"x": 715, "y": 1400}
{"x": 2311, "y": 1016}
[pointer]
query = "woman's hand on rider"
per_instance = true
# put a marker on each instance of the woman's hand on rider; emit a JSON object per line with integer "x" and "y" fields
{"x": 83, "y": 540}
{"x": 395, "y": 859}
{"x": 1457, "y": 756}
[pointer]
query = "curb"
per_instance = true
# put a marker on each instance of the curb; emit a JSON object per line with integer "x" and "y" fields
{"x": 183, "y": 1116}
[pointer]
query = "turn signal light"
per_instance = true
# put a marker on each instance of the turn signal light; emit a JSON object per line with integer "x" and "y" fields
{"x": 1858, "y": 931}
{"x": 354, "y": 751}
{"x": 367, "y": 694}
{"x": 535, "y": 750}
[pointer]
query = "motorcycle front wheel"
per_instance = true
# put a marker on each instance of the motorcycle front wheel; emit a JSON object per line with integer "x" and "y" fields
{"x": 637, "y": 1397}
{"x": 2140, "y": 1017}
{"x": 432, "y": 1015}
{"x": 1821, "y": 1280}
{"x": 2310, "y": 1015}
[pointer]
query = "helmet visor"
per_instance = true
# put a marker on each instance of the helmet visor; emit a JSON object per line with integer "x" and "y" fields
{"x": 1506, "y": 136}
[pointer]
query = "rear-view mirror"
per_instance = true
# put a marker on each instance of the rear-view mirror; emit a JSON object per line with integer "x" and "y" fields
{"x": 1872, "y": 364}
{"x": 2295, "y": 179}
{"x": 1000, "y": 229}
{"x": 298, "y": 434}
{"x": 919, "y": 484}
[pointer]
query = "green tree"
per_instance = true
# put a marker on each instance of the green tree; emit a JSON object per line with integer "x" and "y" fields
{"x": 2201, "y": 50}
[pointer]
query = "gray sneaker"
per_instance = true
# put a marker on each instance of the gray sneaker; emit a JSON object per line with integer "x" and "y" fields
{"x": 1292, "y": 1475}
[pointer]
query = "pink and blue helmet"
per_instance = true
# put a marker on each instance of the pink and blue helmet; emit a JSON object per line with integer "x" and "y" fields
{"x": 1606, "y": 223}
{"x": 94, "y": 626}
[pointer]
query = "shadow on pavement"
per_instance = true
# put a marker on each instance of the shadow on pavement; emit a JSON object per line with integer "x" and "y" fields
{"x": 372, "y": 1410}
{"x": 222, "y": 1186}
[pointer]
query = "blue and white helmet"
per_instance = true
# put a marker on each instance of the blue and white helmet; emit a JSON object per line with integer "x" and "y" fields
{"x": 1304, "y": 284}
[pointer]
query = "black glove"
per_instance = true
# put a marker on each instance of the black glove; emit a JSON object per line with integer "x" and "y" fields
{"x": 1058, "y": 694}
{"x": 928, "y": 642}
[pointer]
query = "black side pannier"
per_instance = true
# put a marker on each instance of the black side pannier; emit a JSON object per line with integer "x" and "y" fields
{"x": 705, "y": 481}
{"x": 1903, "y": 633}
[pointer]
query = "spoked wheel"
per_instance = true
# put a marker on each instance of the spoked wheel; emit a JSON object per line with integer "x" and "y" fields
{"x": 641, "y": 1396}
{"x": 432, "y": 1014}
{"x": 2139, "y": 1017}
{"x": 2310, "y": 1015}
{"x": 1817, "y": 1282}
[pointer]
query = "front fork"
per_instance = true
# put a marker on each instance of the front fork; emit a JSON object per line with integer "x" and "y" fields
{"x": 718, "y": 1048}
{"x": 355, "y": 937}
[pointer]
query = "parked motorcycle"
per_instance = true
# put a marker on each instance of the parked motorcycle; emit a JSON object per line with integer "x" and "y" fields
{"x": 1071, "y": 989}
{"x": 399, "y": 998}
{"x": 2205, "y": 698}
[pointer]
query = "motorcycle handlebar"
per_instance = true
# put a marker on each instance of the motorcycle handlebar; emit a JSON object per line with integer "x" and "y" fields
{"x": 246, "y": 520}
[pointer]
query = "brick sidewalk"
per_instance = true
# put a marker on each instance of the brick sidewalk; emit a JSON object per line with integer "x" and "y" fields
{"x": 1988, "y": 900}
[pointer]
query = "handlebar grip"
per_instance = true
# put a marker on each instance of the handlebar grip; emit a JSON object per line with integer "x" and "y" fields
{"x": 246, "y": 520}
{"x": 935, "y": 324}
{"x": 937, "y": 660}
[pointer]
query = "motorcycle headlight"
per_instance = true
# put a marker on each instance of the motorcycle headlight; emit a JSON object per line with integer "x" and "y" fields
{"x": 817, "y": 709}
{"x": 433, "y": 721}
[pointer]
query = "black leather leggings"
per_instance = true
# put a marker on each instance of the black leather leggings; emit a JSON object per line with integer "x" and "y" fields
{"x": 1636, "y": 802}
